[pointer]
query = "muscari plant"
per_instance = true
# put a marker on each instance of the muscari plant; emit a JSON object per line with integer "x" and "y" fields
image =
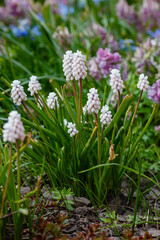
{"x": 88, "y": 150}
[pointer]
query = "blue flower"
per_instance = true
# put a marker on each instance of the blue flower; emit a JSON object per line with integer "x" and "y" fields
{"x": 154, "y": 34}
{"x": 19, "y": 31}
{"x": 35, "y": 31}
{"x": 40, "y": 18}
{"x": 97, "y": 1}
{"x": 127, "y": 44}
{"x": 65, "y": 10}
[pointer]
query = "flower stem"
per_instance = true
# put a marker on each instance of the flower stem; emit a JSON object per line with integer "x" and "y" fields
{"x": 119, "y": 99}
{"x": 99, "y": 150}
{"x": 18, "y": 169}
{"x": 75, "y": 95}
{"x": 80, "y": 100}
{"x": 27, "y": 110}
{"x": 5, "y": 190}
{"x": 130, "y": 127}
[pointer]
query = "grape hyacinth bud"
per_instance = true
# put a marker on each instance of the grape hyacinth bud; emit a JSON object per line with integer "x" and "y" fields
{"x": 34, "y": 85}
{"x": 52, "y": 101}
{"x": 84, "y": 109}
{"x": 154, "y": 92}
{"x": 17, "y": 93}
{"x": 67, "y": 65}
{"x": 13, "y": 130}
{"x": 65, "y": 122}
{"x": 79, "y": 69}
{"x": 115, "y": 81}
{"x": 93, "y": 103}
{"x": 143, "y": 84}
{"x": 106, "y": 116}
{"x": 72, "y": 129}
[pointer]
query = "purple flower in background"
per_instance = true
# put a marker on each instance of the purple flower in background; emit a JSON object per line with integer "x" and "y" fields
{"x": 154, "y": 92}
{"x": 145, "y": 18}
{"x": 125, "y": 71}
{"x": 157, "y": 128}
{"x": 107, "y": 60}
{"x": 99, "y": 30}
{"x": 16, "y": 7}
{"x": 93, "y": 68}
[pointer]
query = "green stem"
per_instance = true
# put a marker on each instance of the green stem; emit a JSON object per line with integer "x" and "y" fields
{"x": 80, "y": 100}
{"x": 99, "y": 150}
{"x": 144, "y": 129}
{"x": 5, "y": 190}
{"x": 130, "y": 127}
{"x": 75, "y": 95}
{"x": 18, "y": 169}
{"x": 119, "y": 99}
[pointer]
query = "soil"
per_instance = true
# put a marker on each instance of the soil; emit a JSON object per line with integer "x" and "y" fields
{"x": 58, "y": 222}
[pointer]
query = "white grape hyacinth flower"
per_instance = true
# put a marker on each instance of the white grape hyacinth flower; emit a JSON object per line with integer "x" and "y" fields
{"x": 72, "y": 129}
{"x": 116, "y": 82}
{"x": 17, "y": 93}
{"x": 34, "y": 85}
{"x": 13, "y": 130}
{"x": 52, "y": 101}
{"x": 106, "y": 116}
{"x": 84, "y": 109}
{"x": 143, "y": 83}
{"x": 79, "y": 69}
{"x": 93, "y": 103}
{"x": 67, "y": 65}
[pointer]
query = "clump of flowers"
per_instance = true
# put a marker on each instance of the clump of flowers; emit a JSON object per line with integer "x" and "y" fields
{"x": 67, "y": 65}
{"x": 94, "y": 69}
{"x": 79, "y": 70}
{"x": 143, "y": 83}
{"x": 115, "y": 81}
{"x": 146, "y": 18}
{"x": 97, "y": 30}
{"x": 145, "y": 56}
{"x": 93, "y": 103}
{"x": 106, "y": 116}
{"x": 52, "y": 101}
{"x": 14, "y": 8}
{"x": 34, "y": 85}
{"x": 13, "y": 130}
{"x": 154, "y": 92}
{"x": 72, "y": 129}
{"x": 107, "y": 60}
{"x": 101, "y": 65}
{"x": 63, "y": 35}
{"x": 17, "y": 93}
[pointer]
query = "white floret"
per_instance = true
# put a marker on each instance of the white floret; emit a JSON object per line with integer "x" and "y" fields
{"x": 17, "y": 93}
{"x": 116, "y": 82}
{"x": 72, "y": 129}
{"x": 13, "y": 130}
{"x": 143, "y": 83}
{"x": 93, "y": 103}
{"x": 34, "y": 85}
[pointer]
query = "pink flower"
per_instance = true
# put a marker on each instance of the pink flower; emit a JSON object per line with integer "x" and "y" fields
{"x": 94, "y": 69}
{"x": 107, "y": 60}
{"x": 154, "y": 92}
{"x": 157, "y": 128}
